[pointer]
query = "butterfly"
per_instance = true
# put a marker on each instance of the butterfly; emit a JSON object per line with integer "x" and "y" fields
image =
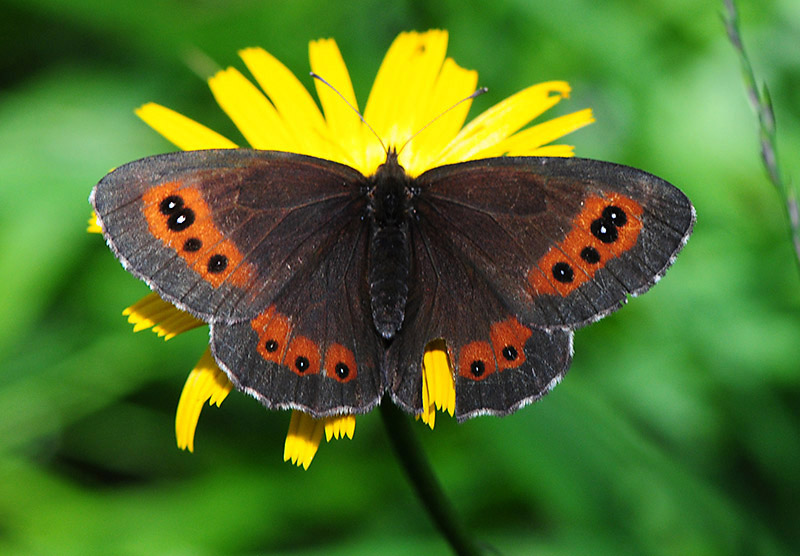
{"x": 322, "y": 287}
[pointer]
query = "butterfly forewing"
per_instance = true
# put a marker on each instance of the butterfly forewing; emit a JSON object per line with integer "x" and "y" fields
{"x": 563, "y": 241}
{"x": 220, "y": 232}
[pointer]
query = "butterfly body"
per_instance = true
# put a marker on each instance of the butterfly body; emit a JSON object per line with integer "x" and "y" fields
{"x": 389, "y": 210}
{"x": 323, "y": 287}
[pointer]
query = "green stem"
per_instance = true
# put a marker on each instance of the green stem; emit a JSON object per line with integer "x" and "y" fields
{"x": 762, "y": 105}
{"x": 419, "y": 472}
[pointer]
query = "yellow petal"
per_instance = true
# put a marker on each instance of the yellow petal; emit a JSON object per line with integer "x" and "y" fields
{"x": 405, "y": 79}
{"x": 438, "y": 385}
{"x": 527, "y": 141}
{"x": 554, "y": 150}
{"x": 94, "y": 227}
{"x": 166, "y": 320}
{"x": 183, "y": 132}
{"x": 291, "y": 99}
{"x": 252, "y": 113}
{"x": 205, "y": 382}
{"x": 343, "y": 123}
{"x": 303, "y": 438}
{"x": 442, "y": 117}
{"x": 502, "y": 120}
{"x": 340, "y": 426}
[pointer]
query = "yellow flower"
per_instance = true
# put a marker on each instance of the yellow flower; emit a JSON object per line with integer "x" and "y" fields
{"x": 416, "y": 86}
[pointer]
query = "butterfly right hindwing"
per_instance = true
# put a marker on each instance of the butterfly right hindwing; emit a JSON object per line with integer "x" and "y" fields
{"x": 509, "y": 255}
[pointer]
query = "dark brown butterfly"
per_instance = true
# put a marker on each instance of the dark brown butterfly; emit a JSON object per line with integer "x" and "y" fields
{"x": 323, "y": 286}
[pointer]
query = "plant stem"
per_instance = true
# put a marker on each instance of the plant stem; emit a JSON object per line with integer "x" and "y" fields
{"x": 409, "y": 451}
{"x": 762, "y": 105}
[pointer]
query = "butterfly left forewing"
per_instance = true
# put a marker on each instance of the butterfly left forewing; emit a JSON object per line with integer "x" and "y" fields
{"x": 219, "y": 232}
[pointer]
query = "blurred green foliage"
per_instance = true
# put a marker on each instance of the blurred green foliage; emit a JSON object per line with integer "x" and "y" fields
{"x": 677, "y": 430}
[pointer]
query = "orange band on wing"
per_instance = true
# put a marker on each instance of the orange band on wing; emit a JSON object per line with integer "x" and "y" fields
{"x": 182, "y": 220}
{"x": 273, "y": 331}
{"x": 606, "y": 228}
{"x": 476, "y": 361}
{"x": 508, "y": 342}
{"x": 340, "y": 363}
{"x": 303, "y": 356}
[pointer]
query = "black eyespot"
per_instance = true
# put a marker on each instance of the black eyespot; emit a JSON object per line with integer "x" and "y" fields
{"x": 342, "y": 370}
{"x": 604, "y": 230}
{"x": 590, "y": 255}
{"x": 171, "y": 204}
{"x": 180, "y": 219}
{"x": 510, "y": 353}
{"x": 477, "y": 368}
{"x": 615, "y": 215}
{"x": 301, "y": 363}
{"x": 563, "y": 272}
{"x": 271, "y": 346}
{"x": 217, "y": 263}
{"x": 192, "y": 244}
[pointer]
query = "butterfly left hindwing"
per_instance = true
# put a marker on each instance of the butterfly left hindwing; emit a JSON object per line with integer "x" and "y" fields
{"x": 270, "y": 249}
{"x": 314, "y": 348}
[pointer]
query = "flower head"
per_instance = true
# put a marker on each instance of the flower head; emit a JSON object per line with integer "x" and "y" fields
{"x": 417, "y": 87}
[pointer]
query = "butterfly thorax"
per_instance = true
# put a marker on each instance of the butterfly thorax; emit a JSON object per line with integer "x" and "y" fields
{"x": 389, "y": 252}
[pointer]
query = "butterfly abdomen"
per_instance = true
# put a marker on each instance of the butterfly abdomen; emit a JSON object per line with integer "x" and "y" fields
{"x": 389, "y": 252}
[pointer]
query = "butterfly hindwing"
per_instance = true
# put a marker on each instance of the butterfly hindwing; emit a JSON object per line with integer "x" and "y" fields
{"x": 270, "y": 249}
{"x": 511, "y": 254}
{"x": 314, "y": 348}
{"x": 498, "y": 363}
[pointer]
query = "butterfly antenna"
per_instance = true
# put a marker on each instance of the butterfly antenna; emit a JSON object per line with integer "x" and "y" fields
{"x": 477, "y": 93}
{"x": 353, "y": 108}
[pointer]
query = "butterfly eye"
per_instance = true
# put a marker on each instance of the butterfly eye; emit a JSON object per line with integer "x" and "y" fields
{"x": 301, "y": 363}
{"x": 604, "y": 230}
{"x": 563, "y": 272}
{"x": 615, "y": 215}
{"x": 181, "y": 219}
{"x": 590, "y": 255}
{"x": 171, "y": 204}
{"x": 271, "y": 346}
{"x": 477, "y": 368}
{"x": 192, "y": 244}
{"x": 510, "y": 353}
{"x": 342, "y": 371}
{"x": 217, "y": 263}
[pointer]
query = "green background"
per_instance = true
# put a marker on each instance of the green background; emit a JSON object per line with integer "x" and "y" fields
{"x": 677, "y": 431}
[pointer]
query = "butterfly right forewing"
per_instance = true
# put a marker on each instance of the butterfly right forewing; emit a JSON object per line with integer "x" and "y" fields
{"x": 537, "y": 230}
